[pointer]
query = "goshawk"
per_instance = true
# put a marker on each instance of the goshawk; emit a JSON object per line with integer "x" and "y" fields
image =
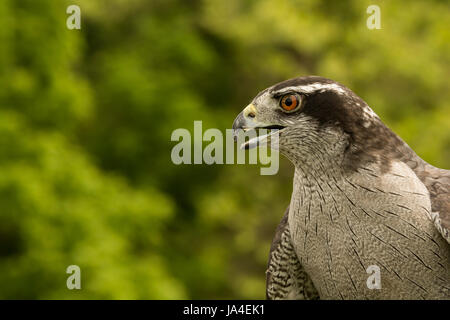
{"x": 362, "y": 200}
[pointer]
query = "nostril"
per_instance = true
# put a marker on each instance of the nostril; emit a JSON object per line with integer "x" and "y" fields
{"x": 251, "y": 115}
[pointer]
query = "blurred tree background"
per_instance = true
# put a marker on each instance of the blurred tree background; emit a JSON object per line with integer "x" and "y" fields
{"x": 86, "y": 118}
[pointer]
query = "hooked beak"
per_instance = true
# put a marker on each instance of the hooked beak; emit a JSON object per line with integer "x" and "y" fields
{"x": 245, "y": 121}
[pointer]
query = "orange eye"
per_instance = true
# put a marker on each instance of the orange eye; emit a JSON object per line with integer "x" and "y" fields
{"x": 289, "y": 102}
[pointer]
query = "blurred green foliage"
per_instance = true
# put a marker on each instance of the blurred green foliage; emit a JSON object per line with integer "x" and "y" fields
{"x": 86, "y": 117}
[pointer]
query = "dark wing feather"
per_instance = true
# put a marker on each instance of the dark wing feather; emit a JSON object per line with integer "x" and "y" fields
{"x": 285, "y": 276}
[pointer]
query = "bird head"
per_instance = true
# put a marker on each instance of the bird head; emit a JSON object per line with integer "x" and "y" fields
{"x": 317, "y": 119}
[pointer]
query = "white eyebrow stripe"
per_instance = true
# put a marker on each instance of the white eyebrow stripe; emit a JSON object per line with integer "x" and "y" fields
{"x": 315, "y": 87}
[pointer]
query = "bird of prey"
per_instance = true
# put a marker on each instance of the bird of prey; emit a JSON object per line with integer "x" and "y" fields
{"x": 361, "y": 199}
